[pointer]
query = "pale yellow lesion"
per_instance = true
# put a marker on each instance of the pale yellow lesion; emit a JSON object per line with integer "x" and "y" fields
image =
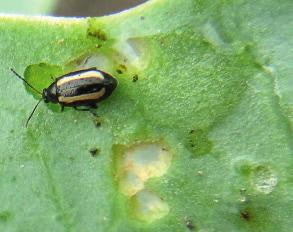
{"x": 90, "y": 96}
{"x": 149, "y": 207}
{"x": 147, "y": 160}
{"x": 84, "y": 75}
{"x": 138, "y": 164}
{"x": 130, "y": 183}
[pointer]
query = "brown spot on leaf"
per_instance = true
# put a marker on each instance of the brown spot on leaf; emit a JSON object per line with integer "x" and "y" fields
{"x": 123, "y": 67}
{"x": 99, "y": 34}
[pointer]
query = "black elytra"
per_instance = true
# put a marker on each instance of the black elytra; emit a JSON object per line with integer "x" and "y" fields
{"x": 84, "y": 87}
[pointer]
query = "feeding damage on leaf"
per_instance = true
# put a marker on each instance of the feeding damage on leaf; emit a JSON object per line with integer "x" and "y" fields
{"x": 134, "y": 166}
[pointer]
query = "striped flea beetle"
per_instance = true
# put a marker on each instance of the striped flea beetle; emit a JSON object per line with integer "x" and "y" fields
{"x": 84, "y": 87}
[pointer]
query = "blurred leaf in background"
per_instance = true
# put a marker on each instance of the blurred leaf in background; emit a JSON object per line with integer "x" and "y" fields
{"x": 28, "y": 7}
{"x": 92, "y": 7}
{"x": 74, "y": 8}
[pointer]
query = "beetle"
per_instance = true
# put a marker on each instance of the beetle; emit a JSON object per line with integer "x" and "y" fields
{"x": 84, "y": 88}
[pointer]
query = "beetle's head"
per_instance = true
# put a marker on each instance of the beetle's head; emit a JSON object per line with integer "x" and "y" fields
{"x": 45, "y": 95}
{"x": 110, "y": 82}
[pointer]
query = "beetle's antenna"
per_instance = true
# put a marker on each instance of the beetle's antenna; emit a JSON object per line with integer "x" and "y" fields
{"x": 20, "y": 77}
{"x": 29, "y": 118}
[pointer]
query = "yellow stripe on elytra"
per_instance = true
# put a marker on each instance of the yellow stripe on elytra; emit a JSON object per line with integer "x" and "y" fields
{"x": 86, "y": 74}
{"x": 83, "y": 97}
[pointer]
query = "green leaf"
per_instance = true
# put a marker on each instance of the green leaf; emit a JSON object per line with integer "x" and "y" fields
{"x": 197, "y": 136}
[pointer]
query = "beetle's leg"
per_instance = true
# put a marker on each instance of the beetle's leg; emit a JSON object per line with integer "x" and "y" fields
{"x": 90, "y": 108}
{"x": 81, "y": 109}
{"x": 93, "y": 112}
{"x": 62, "y": 107}
{"x": 94, "y": 106}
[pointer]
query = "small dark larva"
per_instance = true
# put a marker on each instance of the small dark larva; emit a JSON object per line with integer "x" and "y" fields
{"x": 84, "y": 87}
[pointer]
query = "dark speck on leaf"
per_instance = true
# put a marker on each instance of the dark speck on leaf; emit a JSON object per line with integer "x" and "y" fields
{"x": 97, "y": 120}
{"x": 189, "y": 224}
{"x": 135, "y": 78}
{"x": 98, "y": 123}
{"x": 119, "y": 71}
{"x": 94, "y": 152}
{"x": 245, "y": 215}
